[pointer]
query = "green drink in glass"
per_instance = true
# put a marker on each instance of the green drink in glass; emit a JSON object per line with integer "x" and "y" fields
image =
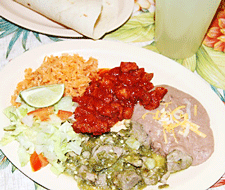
{"x": 180, "y": 25}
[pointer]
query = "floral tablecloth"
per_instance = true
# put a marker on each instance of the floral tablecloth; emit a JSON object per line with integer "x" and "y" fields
{"x": 208, "y": 63}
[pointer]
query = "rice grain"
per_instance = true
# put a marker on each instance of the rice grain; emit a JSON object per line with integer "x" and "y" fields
{"x": 71, "y": 70}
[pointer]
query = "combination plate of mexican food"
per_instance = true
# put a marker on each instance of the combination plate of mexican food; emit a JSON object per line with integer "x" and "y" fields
{"x": 105, "y": 115}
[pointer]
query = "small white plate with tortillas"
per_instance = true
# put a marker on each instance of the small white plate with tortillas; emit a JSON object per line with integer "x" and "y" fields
{"x": 91, "y": 18}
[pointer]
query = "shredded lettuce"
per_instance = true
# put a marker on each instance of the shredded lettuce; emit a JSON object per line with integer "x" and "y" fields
{"x": 10, "y": 113}
{"x": 24, "y": 156}
{"x": 54, "y": 138}
{"x": 6, "y": 139}
{"x": 75, "y": 147}
{"x": 65, "y": 104}
{"x": 57, "y": 167}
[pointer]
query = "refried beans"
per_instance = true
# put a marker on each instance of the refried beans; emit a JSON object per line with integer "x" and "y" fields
{"x": 198, "y": 147}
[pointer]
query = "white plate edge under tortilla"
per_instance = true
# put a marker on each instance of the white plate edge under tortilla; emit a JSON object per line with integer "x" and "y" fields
{"x": 110, "y": 54}
{"x": 31, "y": 20}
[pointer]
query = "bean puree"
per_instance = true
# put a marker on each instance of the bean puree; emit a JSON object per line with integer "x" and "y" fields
{"x": 198, "y": 147}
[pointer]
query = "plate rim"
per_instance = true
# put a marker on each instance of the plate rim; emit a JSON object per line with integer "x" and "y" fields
{"x": 66, "y": 46}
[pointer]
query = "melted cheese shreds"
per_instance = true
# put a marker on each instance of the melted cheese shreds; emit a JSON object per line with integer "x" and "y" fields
{"x": 195, "y": 110}
{"x": 194, "y": 129}
{"x": 174, "y": 111}
{"x": 165, "y": 136}
{"x": 156, "y": 117}
{"x": 171, "y": 119}
{"x": 143, "y": 116}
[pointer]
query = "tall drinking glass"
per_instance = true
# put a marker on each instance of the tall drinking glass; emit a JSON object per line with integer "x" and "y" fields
{"x": 180, "y": 25}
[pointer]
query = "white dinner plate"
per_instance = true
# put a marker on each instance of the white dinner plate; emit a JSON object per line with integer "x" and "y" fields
{"x": 31, "y": 20}
{"x": 110, "y": 54}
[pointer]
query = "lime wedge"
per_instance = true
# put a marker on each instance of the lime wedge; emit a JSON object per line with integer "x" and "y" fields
{"x": 43, "y": 96}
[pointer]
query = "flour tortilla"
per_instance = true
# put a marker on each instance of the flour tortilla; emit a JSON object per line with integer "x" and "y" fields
{"x": 91, "y": 18}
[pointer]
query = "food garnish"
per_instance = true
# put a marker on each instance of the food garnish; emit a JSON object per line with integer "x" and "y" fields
{"x": 38, "y": 161}
{"x": 43, "y": 96}
{"x": 64, "y": 115}
{"x": 42, "y": 113}
{"x": 44, "y": 134}
{"x": 177, "y": 118}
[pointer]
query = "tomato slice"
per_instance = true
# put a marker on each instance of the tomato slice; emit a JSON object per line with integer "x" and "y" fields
{"x": 37, "y": 161}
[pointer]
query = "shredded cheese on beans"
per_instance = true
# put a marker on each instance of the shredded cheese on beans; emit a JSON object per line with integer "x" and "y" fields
{"x": 171, "y": 119}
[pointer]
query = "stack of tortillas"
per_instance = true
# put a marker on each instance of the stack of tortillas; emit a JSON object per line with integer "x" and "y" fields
{"x": 91, "y": 18}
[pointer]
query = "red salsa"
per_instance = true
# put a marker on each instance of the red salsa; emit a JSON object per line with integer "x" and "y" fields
{"x": 111, "y": 97}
